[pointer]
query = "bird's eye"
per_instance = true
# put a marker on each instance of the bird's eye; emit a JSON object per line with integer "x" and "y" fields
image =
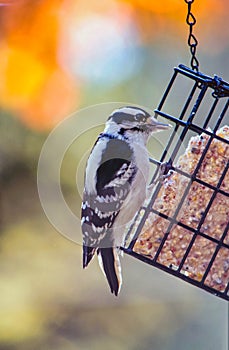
{"x": 143, "y": 118}
{"x": 140, "y": 117}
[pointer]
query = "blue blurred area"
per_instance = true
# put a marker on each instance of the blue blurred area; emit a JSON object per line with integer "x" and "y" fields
{"x": 101, "y": 51}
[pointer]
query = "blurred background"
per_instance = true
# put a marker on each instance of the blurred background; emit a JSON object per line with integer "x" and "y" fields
{"x": 57, "y": 57}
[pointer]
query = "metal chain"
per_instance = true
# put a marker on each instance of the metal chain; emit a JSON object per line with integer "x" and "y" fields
{"x": 192, "y": 41}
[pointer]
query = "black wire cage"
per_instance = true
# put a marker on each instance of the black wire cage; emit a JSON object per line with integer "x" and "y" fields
{"x": 184, "y": 228}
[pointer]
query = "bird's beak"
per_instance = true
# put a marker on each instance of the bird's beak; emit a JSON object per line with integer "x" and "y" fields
{"x": 155, "y": 125}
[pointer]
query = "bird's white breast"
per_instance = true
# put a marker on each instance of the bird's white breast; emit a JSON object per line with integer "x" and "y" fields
{"x": 136, "y": 196}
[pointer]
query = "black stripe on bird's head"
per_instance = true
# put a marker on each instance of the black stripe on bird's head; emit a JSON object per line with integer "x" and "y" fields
{"x": 135, "y": 119}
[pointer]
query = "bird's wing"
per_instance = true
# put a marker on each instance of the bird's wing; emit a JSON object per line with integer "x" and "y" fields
{"x": 100, "y": 210}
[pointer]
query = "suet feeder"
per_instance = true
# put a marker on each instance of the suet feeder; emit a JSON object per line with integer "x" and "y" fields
{"x": 184, "y": 228}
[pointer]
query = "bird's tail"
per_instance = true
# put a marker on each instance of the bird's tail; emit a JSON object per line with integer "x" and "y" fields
{"x": 88, "y": 253}
{"x": 110, "y": 264}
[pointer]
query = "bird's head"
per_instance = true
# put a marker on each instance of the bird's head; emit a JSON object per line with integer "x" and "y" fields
{"x": 132, "y": 121}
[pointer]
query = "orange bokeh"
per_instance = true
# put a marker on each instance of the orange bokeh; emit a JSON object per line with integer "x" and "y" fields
{"x": 56, "y": 98}
{"x": 32, "y": 83}
{"x": 156, "y": 19}
{"x": 177, "y": 8}
{"x": 35, "y": 86}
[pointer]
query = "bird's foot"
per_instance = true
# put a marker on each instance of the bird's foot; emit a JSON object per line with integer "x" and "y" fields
{"x": 164, "y": 172}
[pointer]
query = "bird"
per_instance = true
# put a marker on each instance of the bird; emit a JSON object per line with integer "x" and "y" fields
{"x": 115, "y": 187}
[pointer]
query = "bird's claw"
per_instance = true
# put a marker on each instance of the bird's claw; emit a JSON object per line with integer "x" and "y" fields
{"x": 164, "y": 172}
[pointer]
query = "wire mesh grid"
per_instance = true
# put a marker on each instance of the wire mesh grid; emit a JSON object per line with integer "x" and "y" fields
{"x": 184, "y": 229}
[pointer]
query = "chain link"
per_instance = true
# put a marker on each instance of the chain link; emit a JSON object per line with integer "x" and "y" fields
{"x": 192, "y": 41}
